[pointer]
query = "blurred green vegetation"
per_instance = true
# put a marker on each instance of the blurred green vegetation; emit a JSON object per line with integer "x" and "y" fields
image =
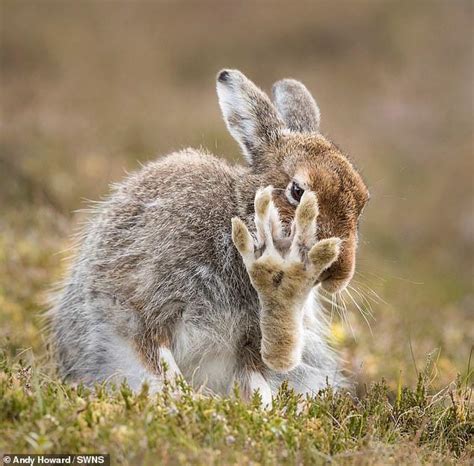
{"x": 90, "y": 89}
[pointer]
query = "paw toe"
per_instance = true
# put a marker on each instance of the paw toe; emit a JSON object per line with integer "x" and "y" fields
{"x": 325, "y": 252}
{"x": 262, "y": 201}
{"x": 307, "y": 210}
{"x": 241, "y": 236}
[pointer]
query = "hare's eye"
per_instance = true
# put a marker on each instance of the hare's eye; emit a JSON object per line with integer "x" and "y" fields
{"x": 296, "y": 192}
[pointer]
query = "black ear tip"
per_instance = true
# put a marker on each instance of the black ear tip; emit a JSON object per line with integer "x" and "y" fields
{"x": 223, "y": 76}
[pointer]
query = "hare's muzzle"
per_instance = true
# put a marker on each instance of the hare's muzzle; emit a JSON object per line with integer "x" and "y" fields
{"x": 338, "y": 276}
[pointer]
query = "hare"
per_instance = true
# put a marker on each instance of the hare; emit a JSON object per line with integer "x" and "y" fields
{"x": 212, "y": 271}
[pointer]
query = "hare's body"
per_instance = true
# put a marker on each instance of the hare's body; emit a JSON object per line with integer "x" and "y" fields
{"x": 158, "y": 262}
{"x": 164, "y": 276}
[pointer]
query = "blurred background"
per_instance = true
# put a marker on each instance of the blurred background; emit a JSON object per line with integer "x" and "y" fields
{"x": 91, "y": 89}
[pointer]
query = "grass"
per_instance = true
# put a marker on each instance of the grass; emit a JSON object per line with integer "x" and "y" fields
{"x": 39, "y": 414}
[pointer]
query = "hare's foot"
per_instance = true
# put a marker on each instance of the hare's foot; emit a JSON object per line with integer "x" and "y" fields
{"x": 167, "y": 364}
{"x": 251, "y": 375}
{"x": 125, "y": 360}
{"x": 283, "y": 280}
{"x": 166, "y": 370}
{"x": 252, "y": 381}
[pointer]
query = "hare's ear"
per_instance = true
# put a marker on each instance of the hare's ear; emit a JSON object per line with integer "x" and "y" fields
{"x": 249, "y": 114}
{"x": 296, "y": 106}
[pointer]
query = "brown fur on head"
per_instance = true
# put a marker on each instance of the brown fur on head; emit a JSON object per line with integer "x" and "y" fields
{"x": 284, "y": 148}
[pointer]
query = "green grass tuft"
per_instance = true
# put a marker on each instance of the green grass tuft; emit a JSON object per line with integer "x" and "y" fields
{"x": 39, "y": 414}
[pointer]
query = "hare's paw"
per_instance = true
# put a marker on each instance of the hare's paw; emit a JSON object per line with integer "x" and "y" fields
{"x": 269, "y": 271}
{"x": 291, "y": 272}
{"x": 283, "y": 278}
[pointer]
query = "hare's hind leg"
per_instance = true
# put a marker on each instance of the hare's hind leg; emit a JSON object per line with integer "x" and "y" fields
{"x": 250, "y": 376}
{"x": 251, "y": 381}
{"x": 128, "y": 365}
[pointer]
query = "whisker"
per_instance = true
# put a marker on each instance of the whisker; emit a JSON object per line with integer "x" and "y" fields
{"x": 369, "y": 309}
{"x": 331, "y": 302}
{"x": 364, "y": 274}
{"x": 332, "y": 309}
{"x": 361, "y": 294}
{"x": 409, "y": 280}
{"x": 334, "y": 306}
{"x": 376, "y": 298}
{"x": 344, "y": 314}
{"x": 360, "y": 310}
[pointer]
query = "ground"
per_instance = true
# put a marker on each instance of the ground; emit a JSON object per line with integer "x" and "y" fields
{"x": 91, "y": 90}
